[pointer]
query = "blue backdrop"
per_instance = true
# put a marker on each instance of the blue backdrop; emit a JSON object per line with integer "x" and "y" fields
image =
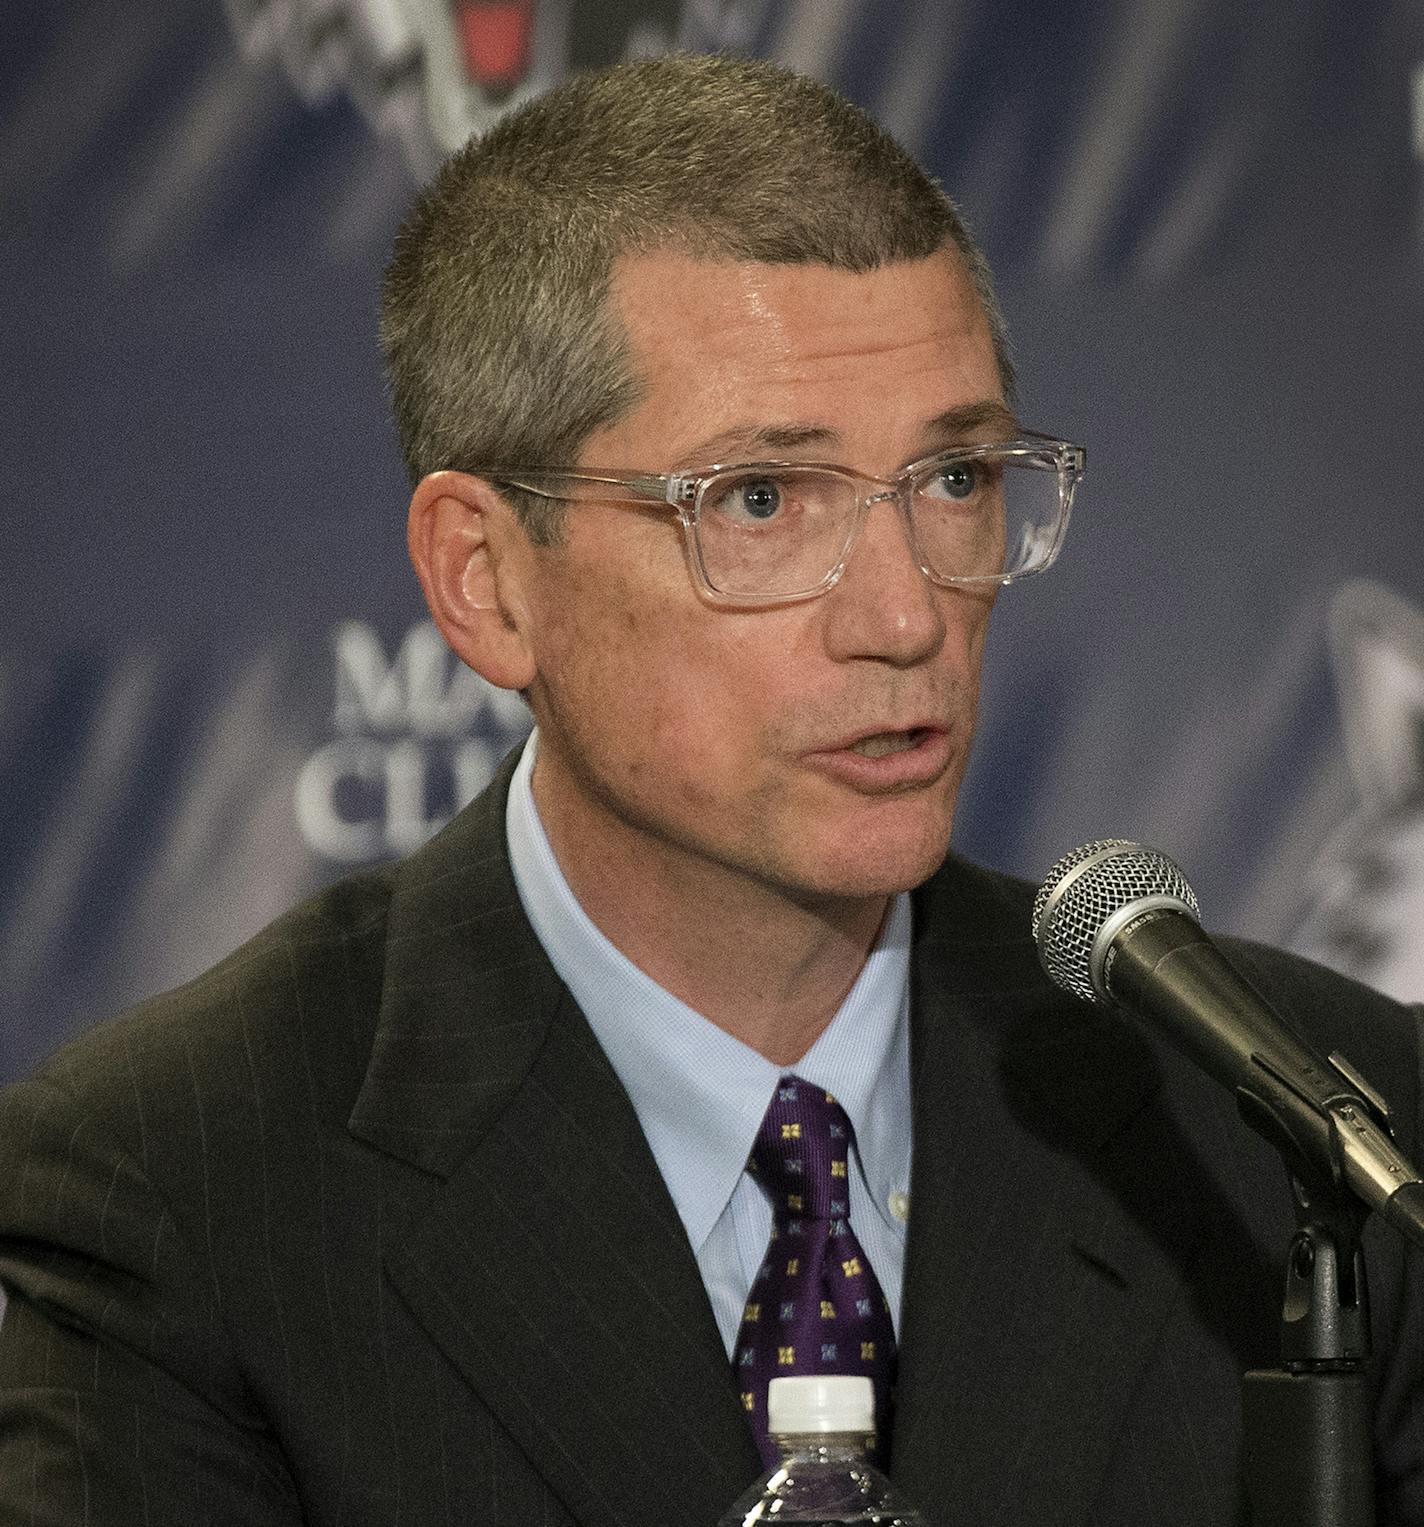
{"x": 216, "y": 686}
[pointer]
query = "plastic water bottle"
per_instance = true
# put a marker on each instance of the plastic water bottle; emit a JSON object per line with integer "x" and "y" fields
{"x": 824, "y": 1428}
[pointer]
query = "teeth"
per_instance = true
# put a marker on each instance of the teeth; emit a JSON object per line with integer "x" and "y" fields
{"x": 883, "y": 743}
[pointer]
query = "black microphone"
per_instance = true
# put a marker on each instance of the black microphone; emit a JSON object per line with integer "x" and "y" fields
{"x": 1116, "y": 923}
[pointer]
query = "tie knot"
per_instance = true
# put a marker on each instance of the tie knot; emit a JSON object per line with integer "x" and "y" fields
{"x": 802, "y": 1153}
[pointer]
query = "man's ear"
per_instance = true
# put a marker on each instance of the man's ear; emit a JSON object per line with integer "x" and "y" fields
{"x": 472, "y": 557}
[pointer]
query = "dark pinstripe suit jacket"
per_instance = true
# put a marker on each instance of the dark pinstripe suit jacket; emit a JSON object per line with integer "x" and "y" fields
{"x": 360, "y": 1228}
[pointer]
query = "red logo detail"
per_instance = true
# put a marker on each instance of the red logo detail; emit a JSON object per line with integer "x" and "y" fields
{"x": 494, "y": 38}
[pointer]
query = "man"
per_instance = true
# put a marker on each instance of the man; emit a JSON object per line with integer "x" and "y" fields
{"x": 432, "y": 1202}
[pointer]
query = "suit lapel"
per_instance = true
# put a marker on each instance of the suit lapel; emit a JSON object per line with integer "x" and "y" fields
{"x": 1043, "y": 1254}
{"x": 545, "y": 1258}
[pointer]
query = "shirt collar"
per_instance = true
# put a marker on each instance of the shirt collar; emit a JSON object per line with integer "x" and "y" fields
{"x": 699, "y": 1093}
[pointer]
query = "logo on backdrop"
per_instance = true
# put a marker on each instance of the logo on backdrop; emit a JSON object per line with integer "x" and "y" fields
{"x": 1366, "y": 895}
{"x": 433, "y": 72}
{"x": 418, "y": 736}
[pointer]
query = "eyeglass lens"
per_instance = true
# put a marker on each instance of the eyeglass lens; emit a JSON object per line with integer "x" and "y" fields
{"x": 784, "y": 531}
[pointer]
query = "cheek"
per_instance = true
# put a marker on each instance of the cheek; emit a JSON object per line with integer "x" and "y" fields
{"x": 654, "y": 689}
{"x": 710, "y": 708}
{"x": 966, "y": 620}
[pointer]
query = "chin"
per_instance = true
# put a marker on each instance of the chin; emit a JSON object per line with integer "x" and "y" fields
{"x": 878, "y": 867}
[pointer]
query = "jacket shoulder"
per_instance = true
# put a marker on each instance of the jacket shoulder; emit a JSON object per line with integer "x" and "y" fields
{"x": 966, "y": 906}
{"x": 298, "y": 998}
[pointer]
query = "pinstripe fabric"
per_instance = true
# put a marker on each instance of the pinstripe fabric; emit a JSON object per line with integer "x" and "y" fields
{"x": 328, "y": 1237}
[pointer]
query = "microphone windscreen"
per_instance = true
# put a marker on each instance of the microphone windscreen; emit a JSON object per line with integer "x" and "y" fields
{"x": 1083, "y": 897}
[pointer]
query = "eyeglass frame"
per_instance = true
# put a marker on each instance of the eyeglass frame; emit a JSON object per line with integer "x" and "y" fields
{"x": 683, "y": 493}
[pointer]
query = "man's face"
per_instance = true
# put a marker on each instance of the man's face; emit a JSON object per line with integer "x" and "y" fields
{"x": 813, "y": 749}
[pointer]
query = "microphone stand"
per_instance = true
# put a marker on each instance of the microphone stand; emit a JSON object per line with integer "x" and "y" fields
{"x": 1306, "y": 1426}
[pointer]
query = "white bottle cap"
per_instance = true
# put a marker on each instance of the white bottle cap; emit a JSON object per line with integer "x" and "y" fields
{"x": 812, "y": 1403}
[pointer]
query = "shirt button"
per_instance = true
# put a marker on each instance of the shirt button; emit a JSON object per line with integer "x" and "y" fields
{"x": 900, "y": 1206}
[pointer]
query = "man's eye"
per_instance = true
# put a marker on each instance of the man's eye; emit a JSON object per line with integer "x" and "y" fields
{"x": 959, "y": 481}
{"x": 756, "y": 498}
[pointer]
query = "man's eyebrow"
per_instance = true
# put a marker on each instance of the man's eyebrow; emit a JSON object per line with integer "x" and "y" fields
{"x": 971, "y": 418}
{"x": 750, "y": 442}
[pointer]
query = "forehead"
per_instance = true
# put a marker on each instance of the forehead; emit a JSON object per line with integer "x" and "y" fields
{"x": 726, "y": 345}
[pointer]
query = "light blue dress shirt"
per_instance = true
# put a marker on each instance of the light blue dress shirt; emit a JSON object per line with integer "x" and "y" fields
{"x": 700, "y": 1094}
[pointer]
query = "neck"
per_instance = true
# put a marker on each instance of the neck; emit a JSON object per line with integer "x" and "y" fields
{"x": 770, "y": 968}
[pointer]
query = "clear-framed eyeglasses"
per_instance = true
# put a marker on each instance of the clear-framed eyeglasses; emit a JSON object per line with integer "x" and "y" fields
{"x": 773, "y": 532}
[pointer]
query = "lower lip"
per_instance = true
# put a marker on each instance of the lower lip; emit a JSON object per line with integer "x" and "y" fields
{"x": 907, "y": 769}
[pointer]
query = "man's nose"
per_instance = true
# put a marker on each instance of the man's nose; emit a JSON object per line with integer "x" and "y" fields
{"x": 884, "y": 607}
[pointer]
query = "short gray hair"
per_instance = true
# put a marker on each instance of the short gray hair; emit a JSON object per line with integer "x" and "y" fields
{"x": 500, "y": 343}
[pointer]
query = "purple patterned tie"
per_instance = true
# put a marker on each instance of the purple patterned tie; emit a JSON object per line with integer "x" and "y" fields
{"x": 815, "y": 1305}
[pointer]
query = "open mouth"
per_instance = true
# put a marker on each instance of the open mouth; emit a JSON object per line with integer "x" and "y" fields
{"x": 882, "y": 744}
